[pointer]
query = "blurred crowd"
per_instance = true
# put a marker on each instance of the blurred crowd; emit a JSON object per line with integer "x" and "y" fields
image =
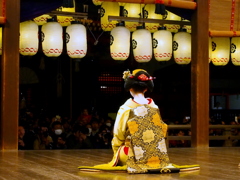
{"x": 212, "y": 132}
{"x": 45, "y": 132}
{"x": 91, "y": 131}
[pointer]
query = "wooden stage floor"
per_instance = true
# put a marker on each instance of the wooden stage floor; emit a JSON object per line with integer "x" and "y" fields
{"x": 216, "y": 163}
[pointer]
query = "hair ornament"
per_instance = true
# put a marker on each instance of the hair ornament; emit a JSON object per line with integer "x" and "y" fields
{"x": 136, "y": 71}
{"x": 143, "y": 77}
{"x": 126, "y": 74}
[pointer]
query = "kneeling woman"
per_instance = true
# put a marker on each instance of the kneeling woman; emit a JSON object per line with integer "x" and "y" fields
{"x": 139, "y": 132}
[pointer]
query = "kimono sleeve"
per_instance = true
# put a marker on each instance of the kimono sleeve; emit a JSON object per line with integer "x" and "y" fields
{"x": 120, "y": 127}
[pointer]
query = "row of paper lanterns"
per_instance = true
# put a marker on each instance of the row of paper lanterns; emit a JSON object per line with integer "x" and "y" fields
{"x": 52, "y": 39}
{"x": 76, "y": 42}
{"x": 136, "y": 10}
{"x": 162, "y": 44}
{"x": 129, "y": 10}
{"x": 224, "y": 49}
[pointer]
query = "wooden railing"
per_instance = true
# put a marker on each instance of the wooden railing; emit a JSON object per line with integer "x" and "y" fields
{"x": 227, "y": 134}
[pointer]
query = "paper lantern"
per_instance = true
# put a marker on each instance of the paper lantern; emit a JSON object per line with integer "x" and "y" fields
{"x": 142, "y": 45}
{"x": 162, "y": 44}
{"x": 149, "y": 12}
{"x": 28, "y": 40}
{"x": 121, "y": 3}
{"x": 187, "y": 27}
{"x": 220, "y": 50}
{"x": 52, "y": 41}
{"x": 65, "y": 20}
{"x": 41, "y": 20}
{"x": 120, "y": 43}
{"x": 132, "y": 10}
{"x": 182, "y": 47}
{"x": 76, "y": 39}
{"x": 109, "y": 9}
{"x": 0, "y": 40}
{"x": 235, "y": 51}
{"x": 97, "y": 2}
{"x": 172, "y": 27}
{"x": 210, "y": 49}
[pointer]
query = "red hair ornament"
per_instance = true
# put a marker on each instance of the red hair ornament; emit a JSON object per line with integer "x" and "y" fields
{"x": 143, "y": 77}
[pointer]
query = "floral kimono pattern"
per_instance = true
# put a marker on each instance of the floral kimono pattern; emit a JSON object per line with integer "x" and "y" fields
{"x": 147, "y": 140}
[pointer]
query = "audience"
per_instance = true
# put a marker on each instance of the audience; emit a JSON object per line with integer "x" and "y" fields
{"x": 92, "y": 131}
{"x": 43, "y": 140}
{"x": 21, "y": 139}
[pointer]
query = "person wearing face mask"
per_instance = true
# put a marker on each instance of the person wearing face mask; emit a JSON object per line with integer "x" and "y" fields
{"x": 58, "y": 135}
{"x": 108, "y": 122}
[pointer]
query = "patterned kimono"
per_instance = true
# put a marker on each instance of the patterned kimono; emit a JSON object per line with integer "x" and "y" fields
{"x": 140, "y": 129}
{"x": 139, "y": 142}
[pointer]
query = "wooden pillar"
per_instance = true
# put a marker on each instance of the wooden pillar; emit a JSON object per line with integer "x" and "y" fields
{"x": 10, "y": 77}
{"x": 200, "y": 76}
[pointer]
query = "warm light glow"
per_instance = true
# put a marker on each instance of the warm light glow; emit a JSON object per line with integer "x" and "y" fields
{"x": 162, "y": 45}
{"x": 182, "y": 47}
{"x": 52, "y": 41}
{"x": 210, "y": 49}
{"x": 172, "y": 27}
{"x": 120, "y": 43}
{"x": 41, "y": 20}
{"x": 220, "y": 50}
{"x": 65, "y": 20}
{"x": 28, "y": 40}
{"x": 1, "y": 40}
{"x": 149, "y": 12}
{"x": 76, "y": 39}
{"x": 142, "y": 47}
{"x": 187, "y": 27}
{"x": 109, "y": 9}
{"x": 132, "y": 10}
{"x": 97, "y": 2}
{"x": 235, "y": 51}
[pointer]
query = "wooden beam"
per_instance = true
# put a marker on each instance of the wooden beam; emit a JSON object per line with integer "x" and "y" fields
{"x": 147, "y": 20}
{"x": 71, "y": 14}
{"x": 200, "y": 77}
{"x": 224, "y": 33}
{"x": 10, "y": 77}
{"x": 2, "y": 12}
{"x": 171, "y": 3}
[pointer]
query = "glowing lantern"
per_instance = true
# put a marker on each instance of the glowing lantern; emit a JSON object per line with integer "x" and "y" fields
{"x": 28, "y": 40}
{"x": 220, "y": 50}
{"x": 66, "y": 20}
{"x": 0, "y": 40}
{"x": 149, "y": 12}
{"x": 40, "y": 20}
{"x": 210, "y": 49}
{"x": 97, "y": 2}
{"x": 235, "y": 51}
{"x": 172, "y": 27}
{"x": 120, "y": 42}
{"x": 132, "y": 10}
{"x": 162, "y": 44}
{"x": 121, "y": 4}
{"x": 187, "y": 27}
{"x": 182, "y": 47}
{"x": 52, "y": 41}
{"x": 109, "y": 9}
{"x": 142, "y": 45}
{"x": 76, "y": 39}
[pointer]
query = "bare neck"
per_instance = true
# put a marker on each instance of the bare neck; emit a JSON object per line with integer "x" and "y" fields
{"x": 140, "y": 99}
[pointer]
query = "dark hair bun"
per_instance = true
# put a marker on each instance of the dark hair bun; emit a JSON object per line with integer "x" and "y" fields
{"x": 138, "y": 83}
